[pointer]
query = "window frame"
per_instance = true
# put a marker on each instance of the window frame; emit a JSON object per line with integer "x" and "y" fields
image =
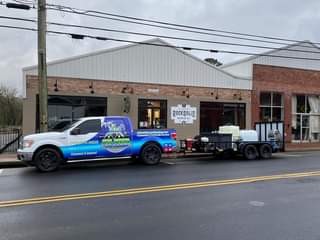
{"x": 142, "y": 105}
{"x": 271, "y": 106}
{"x": 86, "y": 121}
{"x": 303, "y": 128}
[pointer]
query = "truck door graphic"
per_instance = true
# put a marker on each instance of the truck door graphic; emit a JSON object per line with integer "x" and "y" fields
{"x": 115, "y": 136}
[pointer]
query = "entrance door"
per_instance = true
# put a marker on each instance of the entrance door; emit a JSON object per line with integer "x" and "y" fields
{"x": 215, "y": 114}
{"x": 302, "y": 131}
{"x": 152, "y": 113}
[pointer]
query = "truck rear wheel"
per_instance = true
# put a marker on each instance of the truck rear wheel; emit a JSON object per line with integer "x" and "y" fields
{"x": 265, "y": 151}
{"x": 151, "y": 154}
{"x": 47, "y": 160}
{"x": 250, "y": 152}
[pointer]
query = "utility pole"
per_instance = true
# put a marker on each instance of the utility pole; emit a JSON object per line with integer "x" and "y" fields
{"x": 42, "y": 66}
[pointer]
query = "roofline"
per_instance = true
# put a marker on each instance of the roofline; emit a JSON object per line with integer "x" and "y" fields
{"x": 199, "y": 59}
{"x": 91, "y": 54}
{"x": 267, "y": 53}
{"x": 132, "y": 45}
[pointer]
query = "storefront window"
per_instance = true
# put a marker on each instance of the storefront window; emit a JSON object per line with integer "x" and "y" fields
{"x": 152, "y": 113}
{"x": 63, "y": 110}
{"x": 306, "y": 118}
{"x": 271, "y": 107}
{"x": 213, "y": 115}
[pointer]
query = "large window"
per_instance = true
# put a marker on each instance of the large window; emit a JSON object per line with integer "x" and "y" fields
{"x": 65, "y": 109}
{"x": 152, "y": 113}
{"x": 213, "y": 115}
{"x": 271, "y": 107}
{"x": 306, "y": 118}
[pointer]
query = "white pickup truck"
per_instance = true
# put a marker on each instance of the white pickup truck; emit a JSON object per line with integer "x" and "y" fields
{"x": 95, "y": 138}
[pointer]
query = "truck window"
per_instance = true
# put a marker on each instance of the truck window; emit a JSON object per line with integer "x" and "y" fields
{"x": 90, "y": 126}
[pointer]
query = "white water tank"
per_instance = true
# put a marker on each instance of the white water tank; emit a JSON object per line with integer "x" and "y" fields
{"x": 248, "y": 135}
{"x": 234, "y": 130}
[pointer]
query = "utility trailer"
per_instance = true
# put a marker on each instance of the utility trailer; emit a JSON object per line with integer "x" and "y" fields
{"x": 229, "y": 140}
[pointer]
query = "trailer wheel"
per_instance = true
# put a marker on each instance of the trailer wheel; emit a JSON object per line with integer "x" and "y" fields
{"x": 151, "y": 154}
{"x": 250, "y": 152}
{"x": 265, "y": 151}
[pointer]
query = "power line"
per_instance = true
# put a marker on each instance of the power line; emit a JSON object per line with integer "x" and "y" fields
{"x": 156, "y": 35}
{"x": 86, "y": 13}
{"x": 82, "y": 36}
{"x": 89, "y": 13}
{"x": 165, "y": 27}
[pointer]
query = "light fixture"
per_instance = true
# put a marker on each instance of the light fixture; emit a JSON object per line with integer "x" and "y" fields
{"x": 91, "y": 87}
{"x": 56, "y": 86}
{"x": 217, "y": 94}
{"x": 237, "y": 96}
{"x": 186, "y": 93}
{"x": 127, "y": 89}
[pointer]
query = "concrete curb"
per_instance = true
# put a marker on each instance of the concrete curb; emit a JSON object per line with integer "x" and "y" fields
{"x": 11, "y": 164}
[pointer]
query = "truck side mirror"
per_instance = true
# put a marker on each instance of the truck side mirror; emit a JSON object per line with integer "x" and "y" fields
{"x": 75, "y": 131}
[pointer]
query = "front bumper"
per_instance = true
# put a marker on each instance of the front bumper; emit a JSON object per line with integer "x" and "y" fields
{"x": 24, "y": 155}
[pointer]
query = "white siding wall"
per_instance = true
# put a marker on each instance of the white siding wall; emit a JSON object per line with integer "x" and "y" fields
{"x": 145, "y": 64}
{"x": 244, "y": 68}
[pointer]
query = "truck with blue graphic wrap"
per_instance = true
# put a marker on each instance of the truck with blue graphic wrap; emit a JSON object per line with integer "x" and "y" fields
{"x": 96, "y": 138}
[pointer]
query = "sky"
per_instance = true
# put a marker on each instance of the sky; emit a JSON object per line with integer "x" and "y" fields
{"x": 292, "y": 19}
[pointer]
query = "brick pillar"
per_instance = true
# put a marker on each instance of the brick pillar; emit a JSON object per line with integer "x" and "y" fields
{"x": 287, "y": 116}
{"x": 255, "y": 110}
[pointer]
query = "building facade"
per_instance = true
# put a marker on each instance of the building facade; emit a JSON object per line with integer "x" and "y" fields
{"x": 286, "y": 89}
{"x": 158, "y": 87}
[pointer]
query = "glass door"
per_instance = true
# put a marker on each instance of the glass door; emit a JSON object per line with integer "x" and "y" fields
{"x": 301, "y": 132}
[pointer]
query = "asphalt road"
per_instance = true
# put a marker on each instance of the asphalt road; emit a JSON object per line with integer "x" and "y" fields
{"x": 179, "y": 199}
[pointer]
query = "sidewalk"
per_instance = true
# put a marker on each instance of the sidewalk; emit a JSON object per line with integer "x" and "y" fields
{"x": 10, "y": 160}
{"x": 302, "y": 147}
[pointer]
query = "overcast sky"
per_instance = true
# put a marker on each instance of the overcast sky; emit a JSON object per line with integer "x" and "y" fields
{"x": 294, "y": 19}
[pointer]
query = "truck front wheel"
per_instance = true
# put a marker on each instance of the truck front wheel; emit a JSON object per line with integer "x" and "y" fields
{"x": 47, "y": 160}
{"x": 151, "y": 154}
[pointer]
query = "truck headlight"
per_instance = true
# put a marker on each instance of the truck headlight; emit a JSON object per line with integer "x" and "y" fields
{"x": 27, "y": 143}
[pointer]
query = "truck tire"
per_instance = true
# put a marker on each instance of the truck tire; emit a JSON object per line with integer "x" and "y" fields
{"x": 250, "y": 152}
{"x": 151, "y": 154}
{"x": 47, "y": 160}
{"x": 265, "y": 151}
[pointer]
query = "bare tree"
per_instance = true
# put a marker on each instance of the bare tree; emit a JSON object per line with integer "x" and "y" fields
{"x": 10, "y": 107}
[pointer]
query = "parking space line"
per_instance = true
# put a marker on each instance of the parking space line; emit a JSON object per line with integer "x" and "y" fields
{"x": 1, "y": 171}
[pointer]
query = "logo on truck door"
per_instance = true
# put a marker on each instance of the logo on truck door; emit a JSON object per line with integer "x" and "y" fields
{"x": 116, "y": 138}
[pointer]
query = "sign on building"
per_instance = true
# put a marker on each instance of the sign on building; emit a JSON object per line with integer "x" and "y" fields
{"x": 183, "y": 114}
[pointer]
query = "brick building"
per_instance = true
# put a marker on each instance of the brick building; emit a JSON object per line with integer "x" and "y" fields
{"x": 286, "y": 89}
{"x": 158, "y": 87}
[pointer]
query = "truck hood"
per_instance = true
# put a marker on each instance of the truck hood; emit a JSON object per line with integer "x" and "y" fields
{"x": 46, "y": 135}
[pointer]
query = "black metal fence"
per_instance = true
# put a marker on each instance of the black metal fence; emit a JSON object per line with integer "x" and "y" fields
{"x": 275, "y": 128}
{"x": 9, "y": 139}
